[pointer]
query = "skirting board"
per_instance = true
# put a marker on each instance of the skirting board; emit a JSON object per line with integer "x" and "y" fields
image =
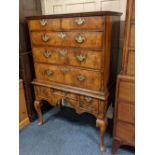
{"x": 24, "y": 123}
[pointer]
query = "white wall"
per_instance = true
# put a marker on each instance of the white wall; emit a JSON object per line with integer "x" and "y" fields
{"x": 72, "y": 6}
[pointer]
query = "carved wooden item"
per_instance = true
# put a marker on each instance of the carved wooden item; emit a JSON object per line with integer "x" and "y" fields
{"x": 72, "y": 55}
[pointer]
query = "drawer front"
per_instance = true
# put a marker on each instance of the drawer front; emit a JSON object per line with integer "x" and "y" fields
{"x": 68, "y": 75}
{"x": 126, "y": 91}
{"x": 126, "y": 112}
{"x": 89, "y": 104}
{"x": 47, "y": 24}
{"x": 83, "y": 23}
{"x": 69, "y": 39}
{"x": 43, "y": 92}
{"x": 74, "y": 57}
{"x": 125, "y": 132}
{"x": 64, "y": 94}
{"x": 131, "y": 63}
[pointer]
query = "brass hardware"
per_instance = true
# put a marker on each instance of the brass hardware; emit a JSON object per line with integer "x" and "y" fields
{"x": 46, "y": 54}
{"x": 43, "y": 22}
{"x": 81, "y": 77}
{"x": 80, "y": 21}
{"x": 81, "y": 57}
{"x": 63, "y": 52}
{"x": 88, "y": 99}
{"x": 48, "y": 72}
{"x": 64, "y": 70}
{"x": 45, "y": 38}
{"x": 61, "y": 35}
{"x": 80, "y": 39}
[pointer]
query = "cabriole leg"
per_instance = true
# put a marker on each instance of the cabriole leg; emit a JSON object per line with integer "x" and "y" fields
{"x": 102, "y": 126}
{"x": 37, "y": 105}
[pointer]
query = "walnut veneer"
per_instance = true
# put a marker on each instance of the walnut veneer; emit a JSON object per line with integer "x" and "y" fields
{"x": 124, "y": 121}
{"x": 72, "y": 55}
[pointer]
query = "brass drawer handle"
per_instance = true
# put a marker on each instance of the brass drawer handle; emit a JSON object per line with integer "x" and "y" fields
{"x": 88, "y": 99}
{"x": 81, "y": 57}
{"x": 80, "y": 21}
{"x": 80, "y": 39}
{"x": 43, "y": 22}
{"x": 61, "y": 35}
{"x": 63, "y": 53}
{"x": 64, "y": 70}
{"x": 47, "y": 54}
{"x": 45, "y": 38}
{"x": 81, "y": 78}
{"x": 48, "y": 72}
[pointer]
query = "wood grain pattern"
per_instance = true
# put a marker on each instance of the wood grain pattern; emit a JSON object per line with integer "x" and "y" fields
{"x": 126, "y": 132}
{"x": 90, "y": 23}
{"x": 70, "y": 76}
{"x": 69, "y": 40}
{"x": 52, "y": 24}
{"x": 68, "y": 56}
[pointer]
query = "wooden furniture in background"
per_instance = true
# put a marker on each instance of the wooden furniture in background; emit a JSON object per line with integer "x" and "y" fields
{"x": 26, "y": 69}
{"x": 72, "y": 55}
{"x": 23, "y": 116}
{"x": 124, "y": 121}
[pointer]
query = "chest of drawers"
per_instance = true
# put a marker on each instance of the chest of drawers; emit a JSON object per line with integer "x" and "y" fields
{"x": 75, "y": 58}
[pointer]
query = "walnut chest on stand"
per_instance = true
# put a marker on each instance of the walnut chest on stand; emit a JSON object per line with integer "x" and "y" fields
{"x": 75, "y": 59}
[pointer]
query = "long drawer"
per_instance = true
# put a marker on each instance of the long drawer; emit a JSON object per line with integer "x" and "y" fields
{"x": 68, "y": 39}
{"x": 126, "y": 112}
{"x": 68, "y": 75}
{"x": 125, "y": 132}
{"x": 74, "y": 57}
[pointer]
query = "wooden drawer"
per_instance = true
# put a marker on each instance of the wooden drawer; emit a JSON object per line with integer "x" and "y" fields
{"x": 131, "y": 63}
{"x": 57, "y": 96}
{"x": 89, "y": 104}
{"x": 69, "y": 39}
{"x": 126, "y": 89}
{"x": 83, "y": 23}
{"x": 65, "y": 94}
{"x": 47, "y": 24}
{"x": 43, "y": 92}
{"x": 125, "y": 132}
{"x": 74, "y": 57}
{"x": 68, "y": 75}
{"x": 126, "y": 112}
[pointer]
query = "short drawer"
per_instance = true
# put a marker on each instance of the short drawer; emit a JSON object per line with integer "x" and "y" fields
{"x": 83, "y": 23}
{"x": 43, "y": 92}
{"x": 65, "y": 94}
{"x": 68, "y": 102}
{"x": 68, "y": 75}
{"x": 44, "y": 24}
{"x": 74, "y": 57}
{"x": 126, "y": 112}
{"x": 68, "y": 39}
{"x": 89, "y": 104}
{"x": 126, "y": 132}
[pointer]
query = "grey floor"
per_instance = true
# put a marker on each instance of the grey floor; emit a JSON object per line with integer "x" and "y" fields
{"x": 65, "y": 133}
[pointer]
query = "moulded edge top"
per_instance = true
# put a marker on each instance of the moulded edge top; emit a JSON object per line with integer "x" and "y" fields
{"x": 82, "y": 14}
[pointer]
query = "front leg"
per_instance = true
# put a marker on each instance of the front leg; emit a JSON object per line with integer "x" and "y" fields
{"x": 102, "y": 126}
{"x": 37, "y": 105}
